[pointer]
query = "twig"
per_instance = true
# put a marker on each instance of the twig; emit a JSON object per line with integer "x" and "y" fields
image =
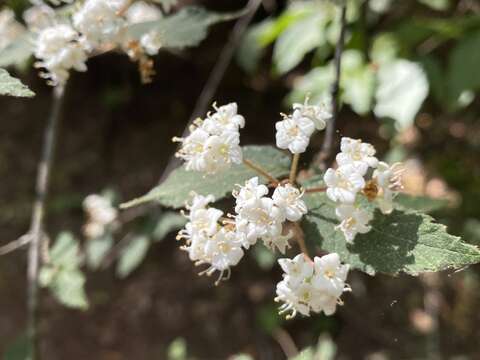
{"x": 315, "y": 190}
{"x": 286, "y": 342}
{"x": 327, "y": 144}
{"x": 216, "y": 76}
{"x": 15, "y": 244}
{"x": 293, "y": 169}
{"x": 300, "y": 237}
{"x": 262, "y": 172}
{"x": 38, "y": 214}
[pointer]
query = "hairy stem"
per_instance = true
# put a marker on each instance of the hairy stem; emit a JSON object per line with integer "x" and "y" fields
{"x": 315, "y": 190}
{"x": 294, "y": 167}
{"x": 335, "y": 89}
{"x": 38, "y": 215}
{"x": 261, "y": 171}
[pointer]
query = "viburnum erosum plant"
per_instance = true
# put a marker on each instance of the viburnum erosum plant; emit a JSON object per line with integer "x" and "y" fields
{"x": 272, "y": 212}
{"x": 323, "y": 223}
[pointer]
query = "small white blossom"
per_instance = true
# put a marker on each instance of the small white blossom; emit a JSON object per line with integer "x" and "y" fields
{"x": 221, "y": 151}
{"x": 330, "y": 274}
{"x": 151, "y": 42}
{"x": 293, "y": 133}
{"x": 59, "y": 50}
{"x": 343, "y": 183}
{"x": 389, "y": 181}
{"x": 316, "y": 113}
{"x": 356, "y": 153}
{"x": 278, "y": 242}
{"x": 289, "y": 199}
{"x": 224, "y": 249}
{"x": 311, "y": 286}
{"x": 140, "y": 12}
{"x": 224, "y": 119}
{"x": 353, "y": 221}
{"x": 98, "y": 21}
{"x": 249, "y": 193}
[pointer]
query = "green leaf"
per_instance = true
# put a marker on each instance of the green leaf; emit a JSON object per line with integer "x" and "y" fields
{"x": 187, "y": 27}
{"x": 13, "y": 87}
{"x": 62, "y": 275}
{"x": 96, "y": 249}
{"x": 65, "y": 251}
{"x": 17, "y": 52}
{"x": 419, "y": 203}
{"x": 462, "y": 73}
{"x": 168, "y": 222}
{"x": 68, "y": 288}
{"x": 437, "y": 4}
{"x": 404, "y": 241}
{"x": 251, "y": 48}
{"x": 297, "y": 40}
{"x": 316, "y": 83}
{"x": 21, "y": 349}
{"x": 176, "y": 190}
{"x": 402, "y": 88}
{"x": 133, "y": 255}
{"x": 177, "y": 350}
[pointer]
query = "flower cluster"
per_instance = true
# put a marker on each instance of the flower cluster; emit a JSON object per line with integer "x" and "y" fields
{"x": 295, "y": 130}
{"x": 219, "y": 241}
{"x": 63, "y": 43}
{"x": 213, "y": 144}
{"x": 100, "y": 214}
{"x": 349, "y": 179}
{"x": 311, "y": 286}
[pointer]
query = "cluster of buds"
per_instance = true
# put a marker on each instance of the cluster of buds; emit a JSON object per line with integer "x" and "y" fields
{"x": 100, "y": 215}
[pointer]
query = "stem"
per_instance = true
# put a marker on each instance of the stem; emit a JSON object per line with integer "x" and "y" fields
{"x": 327, "y": 144}
{"x": 15, "y": 244}
{"x": 315, "y": 190}
{"x": 38, "y": 214}
{"x": 216, "y": 75}
{"x": 293, "y": 169}
{"x": 299, "y": 236}
{"x": 262, "y": 172}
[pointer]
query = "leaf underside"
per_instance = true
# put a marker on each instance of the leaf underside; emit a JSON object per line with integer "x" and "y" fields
{"x": 11, "y": 86}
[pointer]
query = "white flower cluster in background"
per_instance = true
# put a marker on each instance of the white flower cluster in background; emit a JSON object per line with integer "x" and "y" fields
{"x": 311, "y": 286}
{"x": 63, "y": 43}
{"x": 100, "y": 215}
{"x": 355, "y": 161}
{"x": 213, "y": 144}
{"x": 295, "y": 130}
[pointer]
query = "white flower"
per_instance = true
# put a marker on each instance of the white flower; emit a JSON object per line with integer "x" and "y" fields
{"x": 202, "y": 220}
{"x": 353, "y": 221}
{"x": 293, "y": 133}
{"x": 224, "y": 249}
{"x": 343, "y": 183}
{"x": 389, "y": 181}
{"x": 354, "y": 152}
{"x": 193, "y": 149}
{"x": 289, "y": 199}
{"x": 59, "y": 50}
{"x": 277, "y": 242}
{"x": 10, "y": 29}
{"x": 221, "y": 151}
{"x": 98, "y": 21}
{"x": 260, "y": 218}
{"x": 39, "y": 17}
{"x": 330, "y": 274}
{"x": 296, "y": 270}
{"x": 311, "y": 286}
{"x": 250, "y": 192}
{"x": 224, "y": 119}
{"x": 316, "y": 113}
